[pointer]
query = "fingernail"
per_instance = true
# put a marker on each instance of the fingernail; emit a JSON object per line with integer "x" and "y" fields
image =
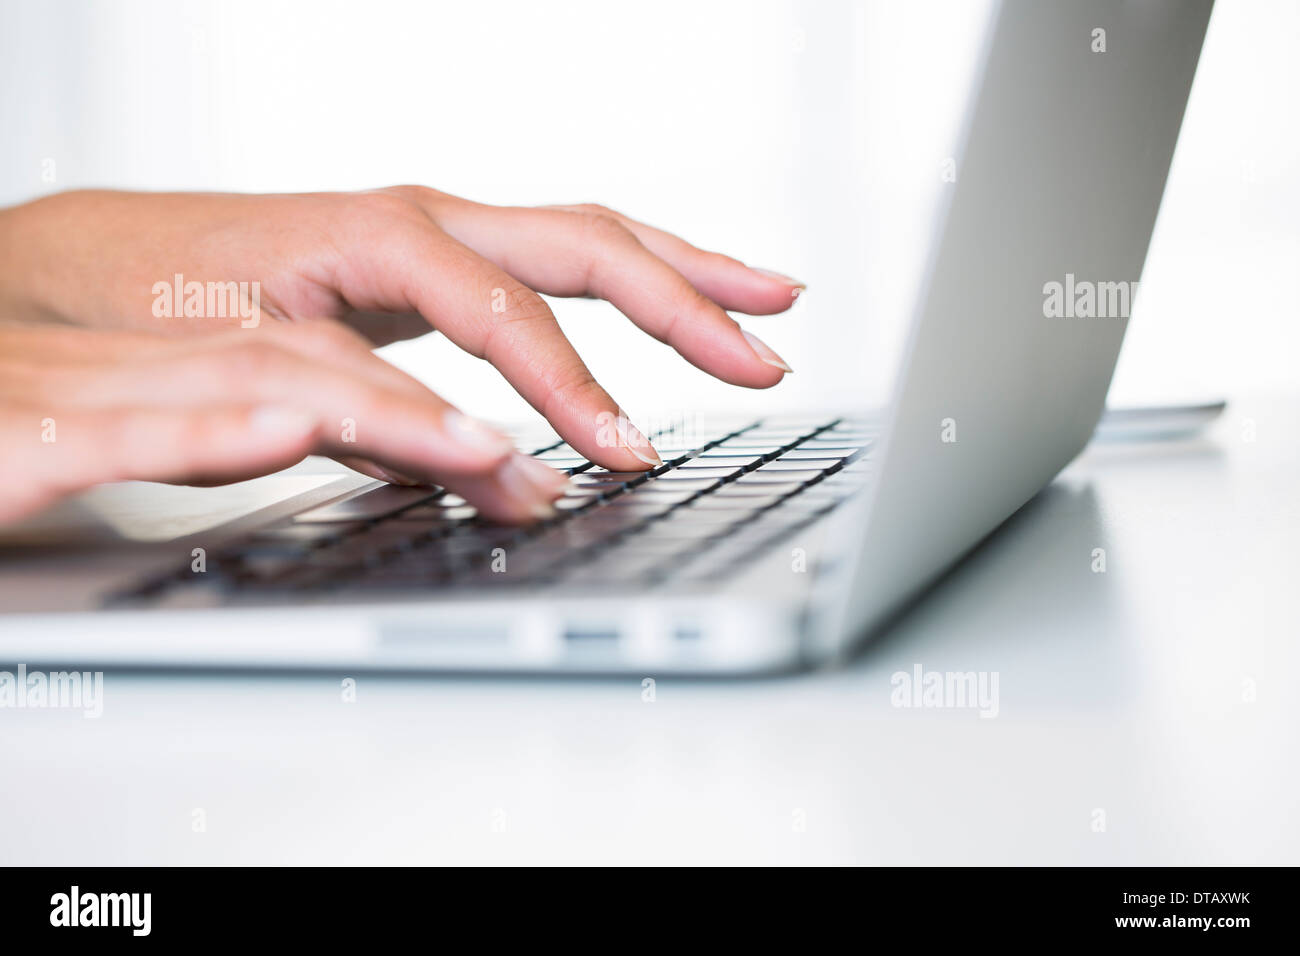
{"x": 765, "y": 353}
{"x": 771, "y": 274}
{"x": 632, "y": 439}
{"x": 546, "y": 478}
{"x": 280, "y": 420}
{"x": 473, "y": 434}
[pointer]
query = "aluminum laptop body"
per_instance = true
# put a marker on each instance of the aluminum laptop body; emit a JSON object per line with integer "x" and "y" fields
{"x": 1015, "y": 334}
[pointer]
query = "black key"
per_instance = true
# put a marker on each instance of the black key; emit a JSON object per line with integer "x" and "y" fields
{"x": 695, "y": 522}
{"x": 437, "y": 511}
{"x": 694, "y": 474}
{"x": 360, "y": 550}
{"x": 643, "y": 506}
{"x": 560, "y": 452}
{"x": 625, "y": 478}
{"x": 603, "y": 573}
{"x": 834, "y": 443}
{"x": 746, "y": 446}
{"x": 584, "y": 489}
{"x": 784, "y": 477}
{"x": 297, "y": 536}
{"x": 807, "y": 464}
{"x": 266, "y": 565}
{"x": 677, "y": 483}
{"x": 744, "y": 488}
{"x": 735, "y": 503}
{"x": 803, "y": 453}
{"x": 653, "y": 498}
{"x": 565, "y": 463}
{"x": 735, "y": 462}
{"x": 570, "y": 503}
{"x": 607, "y": 519}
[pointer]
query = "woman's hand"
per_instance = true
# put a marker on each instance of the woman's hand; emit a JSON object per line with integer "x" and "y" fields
{"x": 389, "y": 263}
{"x": 83, "y": 406}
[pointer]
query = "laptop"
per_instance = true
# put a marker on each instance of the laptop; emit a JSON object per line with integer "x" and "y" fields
{"x": 760, "y": 545}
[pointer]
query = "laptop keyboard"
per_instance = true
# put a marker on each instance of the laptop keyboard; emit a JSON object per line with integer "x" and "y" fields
{"x": 713, "y": 506}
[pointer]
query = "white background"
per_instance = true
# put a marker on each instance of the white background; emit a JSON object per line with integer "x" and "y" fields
{"x": 804, "y": 137}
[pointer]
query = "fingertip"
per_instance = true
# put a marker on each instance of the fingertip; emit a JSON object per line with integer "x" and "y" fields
{"x": 647, "y": 456}
{"x": 765, "y": 354}
{"x": 527, "y": 472}
{"x": 625, "y": 459}
{"x": 789, "y": 296}
{"x": 520, "y": 492}
{"x": 761, "y": 292}
{"x": 637, "y": 444}
{"x": 530, "y": 487}
{"x": 621, "y": 446}
{"x": 511, "y": 512}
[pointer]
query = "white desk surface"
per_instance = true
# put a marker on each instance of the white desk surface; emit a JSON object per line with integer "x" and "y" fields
{"x": 1161, "y": 692}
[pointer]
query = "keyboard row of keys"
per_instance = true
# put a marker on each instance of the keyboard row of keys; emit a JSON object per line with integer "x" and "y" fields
{"x": 634, "y": 525}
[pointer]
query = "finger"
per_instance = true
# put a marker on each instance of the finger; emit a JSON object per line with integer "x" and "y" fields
{"x": 409, "y": 429}
{"x": 75, "y": 344}
{"x": 727, "y": 281}
{"x": 491, "y": 315}
{"x": 577, "y": 253}
{"x": 31, "y": 357}
{"x": 324, "y": 342}
{"x": 320, "y": 339}
{"x": 76, "y": 448}
{"x": 333, "y": 343}
{"x": 520, "y": 491}
{"x": 371, "y": 470}
{"x": 340, "y": 345}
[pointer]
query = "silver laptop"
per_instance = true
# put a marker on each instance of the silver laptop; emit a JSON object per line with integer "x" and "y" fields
{"x": 759, "y": 545}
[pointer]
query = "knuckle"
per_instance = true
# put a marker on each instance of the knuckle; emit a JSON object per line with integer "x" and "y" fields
{"x": 415, "y": 193}
{"x": 602, "y": 228}
{"x": 572, "y": 386}
{"x": 603, "y": 240}
{"x": 523, "y": 310}
{"x": 692, "y": 307}
{"x": 520, "y": 303}
{"x": 697, "y": 302}
{"x": 594, "y": 209}
{"x": 383, "y": 204}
